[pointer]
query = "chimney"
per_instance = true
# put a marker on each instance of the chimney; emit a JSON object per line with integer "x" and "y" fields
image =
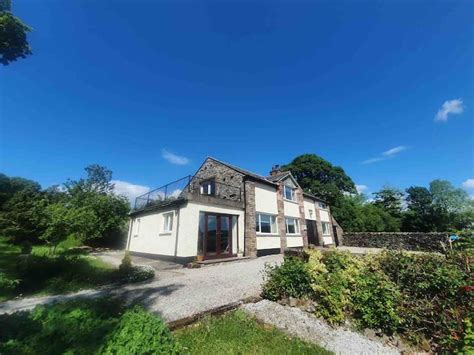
{"x": 275, "y": 170}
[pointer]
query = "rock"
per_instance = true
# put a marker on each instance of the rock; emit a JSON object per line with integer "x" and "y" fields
{"x": 370, "y": 333}
{"x": 293, "y": 302}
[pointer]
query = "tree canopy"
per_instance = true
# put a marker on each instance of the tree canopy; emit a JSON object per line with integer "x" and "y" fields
{"x": 13, "y": 33}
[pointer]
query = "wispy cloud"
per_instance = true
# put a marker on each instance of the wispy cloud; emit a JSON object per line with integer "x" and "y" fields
{"x": 129, "y": 190}
{"x": 174, "y": 158}
{"x": 394, "y": 151}
{"x": 390, "y": 153}
{"x": 361, "y": 188}
{"x": 468, "y": 184}
{"x": 449, "y": 107}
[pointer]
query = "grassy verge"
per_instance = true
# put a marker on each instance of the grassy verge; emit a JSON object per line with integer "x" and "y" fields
{"x": 42, "y": 273}
{"x": 237, "y": 333}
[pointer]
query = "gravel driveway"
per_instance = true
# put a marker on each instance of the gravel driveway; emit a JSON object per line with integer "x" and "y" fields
{"x": 307, "y": 327}
{"x": 179, "y": 293}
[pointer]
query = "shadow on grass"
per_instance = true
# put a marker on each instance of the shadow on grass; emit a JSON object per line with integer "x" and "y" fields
{"x": 79, "y": 326}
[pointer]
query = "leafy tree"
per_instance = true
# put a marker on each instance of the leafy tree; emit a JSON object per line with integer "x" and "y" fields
{"x": 448, "y": 198}
{"x": 390, "y": 200}
{"x": 419, "y": 216}
{"x": 11, "y": 185}
{"x": 319, "y": 177}
{"x": 13, "y": 42}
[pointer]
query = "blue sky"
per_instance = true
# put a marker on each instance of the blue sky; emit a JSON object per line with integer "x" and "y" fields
{"x": 149, "y": 89}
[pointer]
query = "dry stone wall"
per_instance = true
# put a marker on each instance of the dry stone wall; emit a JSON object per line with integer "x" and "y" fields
{"x": 397, "y": 240}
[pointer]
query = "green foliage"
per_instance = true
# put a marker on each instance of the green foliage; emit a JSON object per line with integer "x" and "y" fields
{"x": 319, "y": 177}
{"x": 79, "y": 327}
{"x": 290, "y": 279}
{"x": 139, "y": 332}
{"x": 376, "y": 301}
{"x": 126, "y": 263}
{"x": 466, "y": 346}
{"x": 237, "y": 333}
{"x": 424, "y": 297}
{"x": 13, "y": 41}
{"x": 390, "y": 200}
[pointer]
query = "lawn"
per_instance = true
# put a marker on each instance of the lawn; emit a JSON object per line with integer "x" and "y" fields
{"x": 41, "y": 273}
{"x": 237, "y": 333}
{"x": 92, "y": 326}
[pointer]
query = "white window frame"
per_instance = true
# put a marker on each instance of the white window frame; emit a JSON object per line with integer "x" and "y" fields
{"x": 310, "y": 213}
{"x": 136, "y": 227}
{"x": 208, "y": 185}
{"x": 293, "y": 197}
{"x": 328, "y": 227}
{"x": 296, "y": 222}
{"x": 168, "y": 222}
{"x": 273, "y": 224}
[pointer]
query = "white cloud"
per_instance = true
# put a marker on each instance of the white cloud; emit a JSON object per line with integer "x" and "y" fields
{"x": 449, "y": 107}
{"x": 173, "y": 158}
{"x": 361, "y": 188}
{"x": 129, "y": 190}
{"x": 468, "y": 184}
{"x": 392, "y": 152}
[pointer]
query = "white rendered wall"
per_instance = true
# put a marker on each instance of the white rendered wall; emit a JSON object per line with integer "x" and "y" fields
{"x": 266, "y": 199}
{"x": 309, "y": 205}
{"x": 151, "y": 238}
{"x": 268, "y": 242}
{"x": 292, "y": 209}
{"x": 189, "y": 227}
{"x": 324, "y": 216}
{"x": 294, "y": 241}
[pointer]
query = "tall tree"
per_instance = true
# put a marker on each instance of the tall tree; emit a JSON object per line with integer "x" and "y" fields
{"x": 13, "y": 41}
{"x": 390, "y": 200}
{"x": 319, "y": 177}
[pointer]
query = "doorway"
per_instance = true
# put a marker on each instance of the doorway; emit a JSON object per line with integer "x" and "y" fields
{"x": 217, "y": 235}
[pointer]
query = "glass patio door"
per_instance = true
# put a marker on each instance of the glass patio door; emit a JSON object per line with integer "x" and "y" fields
{"x": 218, "y": 236}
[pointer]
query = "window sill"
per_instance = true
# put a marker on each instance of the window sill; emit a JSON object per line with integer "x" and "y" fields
{"x": 293, "y": 201}
{"x": 267, "y": 234}
{"x": 166, "y": 233}
{"x": 293, "y": 235}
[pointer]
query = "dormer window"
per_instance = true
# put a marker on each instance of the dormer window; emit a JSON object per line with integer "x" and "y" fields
{"x": 289, "y": 193}
{"x": 323, "y": 206}
{"x": 208, "y": 188}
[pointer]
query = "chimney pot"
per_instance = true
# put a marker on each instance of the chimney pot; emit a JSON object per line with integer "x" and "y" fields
{"x": 275, "y": 170}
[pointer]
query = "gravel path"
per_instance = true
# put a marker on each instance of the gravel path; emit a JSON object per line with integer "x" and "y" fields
{"x": 179, "y": 293}
{"x": 307, "y": 327}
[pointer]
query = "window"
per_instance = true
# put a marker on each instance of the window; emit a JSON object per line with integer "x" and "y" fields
{"x": 168, "y": 222}
{"x": 136, "y": 227}
{"x": 266, "y": 223}
{"x": 208, "y": 187}
{"x": 289, "y": 193}
{"x": 326, "y": 228}
{"x": 310, "y": 214}
{"x": 323, "y": 205}
{"x": 292, "y": 225}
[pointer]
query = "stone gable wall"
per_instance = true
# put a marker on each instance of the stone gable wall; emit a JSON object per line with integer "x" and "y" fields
{"x": 397, "y": 240}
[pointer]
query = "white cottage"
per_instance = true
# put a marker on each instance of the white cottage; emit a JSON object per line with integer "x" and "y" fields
{"x": 224, "y": 211}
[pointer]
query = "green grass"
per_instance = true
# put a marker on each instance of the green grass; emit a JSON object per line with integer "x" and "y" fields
{"x": 237, "y": 333}
{"x": 41, "y": 273}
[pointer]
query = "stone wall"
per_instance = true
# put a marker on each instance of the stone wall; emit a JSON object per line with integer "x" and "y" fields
{"x": 397, "y": 240}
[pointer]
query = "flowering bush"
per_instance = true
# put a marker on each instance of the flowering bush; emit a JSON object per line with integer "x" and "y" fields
{"x": 137, "y": 273}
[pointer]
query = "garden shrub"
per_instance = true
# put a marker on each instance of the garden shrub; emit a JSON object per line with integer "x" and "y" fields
{"x": 8, "y": 283}
{"x": 137, "y": 273}
{"x": 126, "y": 263}
{"x": 290, "y": 279}
{"x": 140, "y": 332}
{"x": 376, "y": 301}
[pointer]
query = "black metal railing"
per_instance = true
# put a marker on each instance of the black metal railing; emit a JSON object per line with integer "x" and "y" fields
{"x": 163, "y": 194}
{"x": 189, "y": 184}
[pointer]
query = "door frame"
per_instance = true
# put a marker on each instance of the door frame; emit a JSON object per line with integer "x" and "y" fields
{"x": 218, "y": 254}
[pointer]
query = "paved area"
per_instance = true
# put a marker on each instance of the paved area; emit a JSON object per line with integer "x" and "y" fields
{"x": 114, "y": 257}
{"x": 178, "y": 293}
{"x": 309, "y": 328}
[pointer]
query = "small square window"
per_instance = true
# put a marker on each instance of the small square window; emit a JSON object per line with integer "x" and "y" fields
{"x": 326, "y": 228}
{"x": 289, "y": 193}
{"x": 265, "y": 224}
{"x": 208, "y": 188}
{"x": 168, "y": 222}
{"x": 322, "y": 205}
{"x": 292, "y": 225}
